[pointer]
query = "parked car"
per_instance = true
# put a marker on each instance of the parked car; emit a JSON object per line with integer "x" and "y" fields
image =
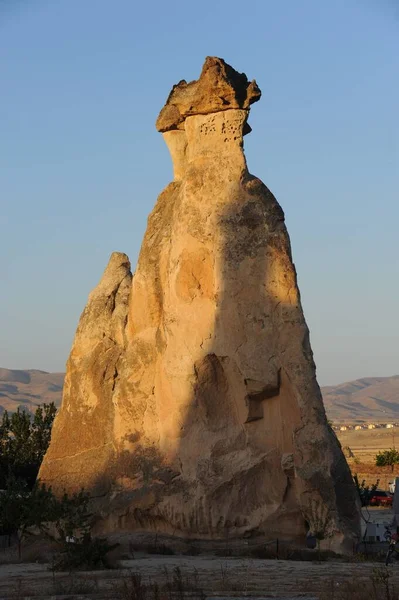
{"x": 380, "y": 498}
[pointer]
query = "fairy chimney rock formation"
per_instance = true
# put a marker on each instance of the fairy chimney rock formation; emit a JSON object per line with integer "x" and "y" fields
{"x": 218, "y": 89}
{"x": 191, "y": 404}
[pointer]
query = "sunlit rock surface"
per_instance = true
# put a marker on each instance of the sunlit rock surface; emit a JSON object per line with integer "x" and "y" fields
{"x": 191, "y": 404}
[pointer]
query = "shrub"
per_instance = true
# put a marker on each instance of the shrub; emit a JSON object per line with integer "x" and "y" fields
{"x": 364, "y": 491}
{"x": 387, "y": 458}
{"x": 22, "y": 508}
{"x": 86, "y": 553}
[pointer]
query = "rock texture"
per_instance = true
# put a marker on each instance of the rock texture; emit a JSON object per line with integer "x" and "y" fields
{"x": 191, "y": 404}
{"x": 219, "y": 88}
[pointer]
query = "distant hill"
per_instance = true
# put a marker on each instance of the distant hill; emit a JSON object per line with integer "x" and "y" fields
{"x": 372, "y": 399}
{"x": 29, "y": 388}
{"x": 369, "y": 399}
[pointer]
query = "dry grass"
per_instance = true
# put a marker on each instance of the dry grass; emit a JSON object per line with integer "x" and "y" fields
{"x": 193, "y": 578}
{"x": 179, "y": 585}
{"x": 174, "y": 586}
{"x": 34, "y": 550}
{"x": 73, "y": 585}
{"x": 365, "y": 445}
{"x": 377, "y": 587}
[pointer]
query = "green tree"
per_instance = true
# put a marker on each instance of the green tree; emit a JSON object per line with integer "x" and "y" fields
{"x": 40, "y": 431}
{"x": 73, "y": 518}
{"x": 365, "y": 491}
{"x": 387, "y": 458}
{"x": 24, "y": 440}
{"x": 22, "y": 508}
{"x": 78, "y": 549}
{"x": 25, "y": 511}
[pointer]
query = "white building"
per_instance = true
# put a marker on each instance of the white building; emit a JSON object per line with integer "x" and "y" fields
{"x": 373, "y": 532}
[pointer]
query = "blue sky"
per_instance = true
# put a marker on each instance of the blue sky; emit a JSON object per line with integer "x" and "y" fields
{"x": 81, "y": 164}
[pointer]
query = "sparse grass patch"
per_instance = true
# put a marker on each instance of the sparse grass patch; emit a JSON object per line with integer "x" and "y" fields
{"x": 377, "y": 586}
{"x": 73, "y": 585}
{"x": 174, "y": 586}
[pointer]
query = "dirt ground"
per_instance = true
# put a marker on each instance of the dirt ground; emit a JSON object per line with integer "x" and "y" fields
{"x": 220, "y": 578}
{"x": 228, "y": 577}
{"x": 367, "y": 442}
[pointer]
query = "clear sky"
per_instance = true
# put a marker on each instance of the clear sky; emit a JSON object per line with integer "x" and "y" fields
{"x": 81, "y": 164}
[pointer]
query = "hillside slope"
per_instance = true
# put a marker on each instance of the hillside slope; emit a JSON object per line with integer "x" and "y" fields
{"x": 367, "y": 399}
{"x": 29, "y": 388}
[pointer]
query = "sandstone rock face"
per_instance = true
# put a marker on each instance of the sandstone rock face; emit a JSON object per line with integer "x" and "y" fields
{"x": 191, "y": 404}
{"x": 219, "y": 88}
{"x": 82, "y": 436}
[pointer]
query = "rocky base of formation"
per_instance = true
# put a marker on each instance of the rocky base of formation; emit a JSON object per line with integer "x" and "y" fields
{"x": 191, "y": 405}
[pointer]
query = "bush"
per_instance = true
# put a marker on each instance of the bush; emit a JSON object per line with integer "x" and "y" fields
{"x": 84, "y": 554}
{"x": 364, "y": 491}
{"x": 22, "y": 509}
{"x": 387, "y": 458}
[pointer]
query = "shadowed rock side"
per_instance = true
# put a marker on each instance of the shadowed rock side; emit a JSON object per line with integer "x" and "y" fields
{"x": 193, "y": 407}
{"x": 83, "y": 440}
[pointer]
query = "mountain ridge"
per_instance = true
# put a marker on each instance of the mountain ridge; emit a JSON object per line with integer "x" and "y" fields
{"x": 363, "y": 400}
{"x": 366, "y": 399}
{"x": 27, "y": 388}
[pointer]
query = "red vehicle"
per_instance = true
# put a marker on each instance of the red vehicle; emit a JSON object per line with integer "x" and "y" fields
{"x": 380, "y": 498}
